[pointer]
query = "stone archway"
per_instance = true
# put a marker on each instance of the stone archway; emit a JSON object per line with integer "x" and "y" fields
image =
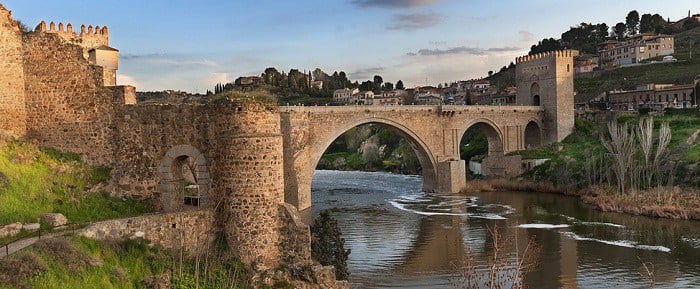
{"x": 495, "y": 163}
{"x": 420, "y": 148}
{"x": 493, "y": 134}
{"x": 171, "y": 179}
{"x": 532, "y": 135}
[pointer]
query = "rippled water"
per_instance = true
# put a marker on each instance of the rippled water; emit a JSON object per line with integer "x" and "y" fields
{"x": 401, "y": 237}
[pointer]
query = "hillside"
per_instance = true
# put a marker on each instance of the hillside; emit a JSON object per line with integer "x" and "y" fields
{"x": 679, "y": 72}
{"x": 36, "y": 180}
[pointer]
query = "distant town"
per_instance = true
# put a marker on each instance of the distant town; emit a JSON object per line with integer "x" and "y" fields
{"x": 641, "y": 44}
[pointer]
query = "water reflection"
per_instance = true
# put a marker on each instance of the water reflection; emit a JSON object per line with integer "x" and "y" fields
{"x": 403, "y": 238}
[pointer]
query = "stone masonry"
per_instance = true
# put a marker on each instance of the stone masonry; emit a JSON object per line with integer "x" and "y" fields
{"x": 254, "y": 163}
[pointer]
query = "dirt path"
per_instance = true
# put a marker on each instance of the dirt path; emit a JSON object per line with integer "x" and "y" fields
{"x": 24, "y": 243}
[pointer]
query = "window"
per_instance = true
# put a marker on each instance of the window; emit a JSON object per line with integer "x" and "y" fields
{"x": 568, "y": 68}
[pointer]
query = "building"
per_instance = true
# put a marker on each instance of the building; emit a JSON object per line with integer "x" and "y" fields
{"x": 394, "y": 97}
{"x": 656, "y": 97}
{"x": 678, "y": 25}
{"x": 586, "y": 63}
{"x": 428, "y": 98}
{"x": 365, "y": 98}
{"x": 247, "y": 80}
{"x": 634, "y": 50}
{"x": 345, "y": 96}
{"x": 317, "y": 84}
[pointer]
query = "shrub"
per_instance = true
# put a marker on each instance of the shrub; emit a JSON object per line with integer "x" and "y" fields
{"x": 328, "y": 245}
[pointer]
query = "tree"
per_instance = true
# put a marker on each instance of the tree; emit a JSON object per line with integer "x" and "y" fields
{"x": 328, "y": 245}
{"x": 632, "y": 22}
{"x": 602, "y": 32}
{"x": 271, "y": 76}
{"x": 490, "y": 73}
{"x": 619, "y": 30}
{"x": 645, "y": 24}
{"x": 367, "y": 86}
{"x": 378, "y": 80}
{"x": 546, "y": 45}
{"x": 658, "y": 23}
{"x": 388, "y": 86}
{"x": 399, "y": 85}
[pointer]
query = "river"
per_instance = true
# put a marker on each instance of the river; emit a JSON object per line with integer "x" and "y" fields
{"x": 401, "y": 237}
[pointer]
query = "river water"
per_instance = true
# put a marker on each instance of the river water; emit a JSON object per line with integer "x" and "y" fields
{"x": 401, "y": 237}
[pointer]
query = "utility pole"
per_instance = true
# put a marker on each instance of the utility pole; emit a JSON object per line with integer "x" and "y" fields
{"x": 695, "y": 89}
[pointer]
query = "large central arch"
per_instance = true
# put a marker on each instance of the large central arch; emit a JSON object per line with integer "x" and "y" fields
{"x": 423, "y": 153}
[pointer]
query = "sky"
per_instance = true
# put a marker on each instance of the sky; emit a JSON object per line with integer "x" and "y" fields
{"x": 192, "y": 45}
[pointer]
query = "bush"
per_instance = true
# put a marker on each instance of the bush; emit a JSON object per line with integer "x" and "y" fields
{"x": 328, "y": 245}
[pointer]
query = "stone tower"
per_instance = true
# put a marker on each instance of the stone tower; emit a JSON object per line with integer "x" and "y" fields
{"x": 547, "y": 80}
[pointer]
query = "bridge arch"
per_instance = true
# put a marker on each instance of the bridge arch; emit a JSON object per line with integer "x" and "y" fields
{"x": 493, "y": 134}
{"x": 171, "y": 179}
{"x": 420, "y": 148}
{"x": 533, "y": 134}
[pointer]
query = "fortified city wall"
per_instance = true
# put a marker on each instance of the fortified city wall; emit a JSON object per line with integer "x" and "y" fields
{"x": 68, "y": 102}
{"x": 12, "y": 104}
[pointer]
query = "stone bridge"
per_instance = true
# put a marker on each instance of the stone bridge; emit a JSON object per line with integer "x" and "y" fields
{"x": 247, "y": 162}
{"x": 434, "y": 133}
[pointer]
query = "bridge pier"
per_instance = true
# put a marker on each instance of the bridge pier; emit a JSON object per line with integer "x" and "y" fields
{"x": 451, "y": 176}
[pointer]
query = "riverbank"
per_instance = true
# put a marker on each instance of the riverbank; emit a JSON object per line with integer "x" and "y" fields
{"x": 671, "y": 203}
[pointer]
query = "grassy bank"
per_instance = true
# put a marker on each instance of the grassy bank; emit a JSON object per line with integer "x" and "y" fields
{"x": 76, "y": 262}
{"x": 36, "y": 180}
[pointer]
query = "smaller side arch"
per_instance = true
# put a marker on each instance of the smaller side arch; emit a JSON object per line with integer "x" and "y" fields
{"x": 533, "y": 135}
{"x": 493, "y": 134}
{"x": 171, "y": 183}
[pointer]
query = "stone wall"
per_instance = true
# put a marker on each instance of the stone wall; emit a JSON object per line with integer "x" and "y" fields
{"x": 12, "y": 106}
{"x": 191, "y": 230}
{"x": 67, "y": 105}
{"x": 549, "y": 77}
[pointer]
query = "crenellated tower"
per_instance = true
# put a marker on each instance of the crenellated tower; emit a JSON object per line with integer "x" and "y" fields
{"x": 95, "y": 44}
{"x": 547, "y": 80}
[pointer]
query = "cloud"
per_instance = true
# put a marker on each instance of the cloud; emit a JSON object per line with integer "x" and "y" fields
{"x": 180, "y": 61}
{"x": 526, "y": 35}
{"x": 127, "y": 80}
{"x": 394, "y": 3}
{"x": 461, "y": 50}
{"x": 365, "y": 73}
{"x": 414, "y": 21}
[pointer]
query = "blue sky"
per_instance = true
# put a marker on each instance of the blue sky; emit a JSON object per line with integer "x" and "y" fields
{"x": 191, "y": 45}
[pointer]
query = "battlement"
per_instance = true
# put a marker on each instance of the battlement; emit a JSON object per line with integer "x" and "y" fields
{"x": 8, "y": 14}
{"x": 550, "y": 54}
{"x": 89, "y": 37}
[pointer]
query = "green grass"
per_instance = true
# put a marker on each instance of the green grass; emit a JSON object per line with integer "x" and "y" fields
{"x": 585, "y": 143}
{"x": 36, "y": 180}
{"x": 77, "y": 262}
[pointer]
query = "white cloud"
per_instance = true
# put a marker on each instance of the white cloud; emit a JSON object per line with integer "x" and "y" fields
{"x": 127, "y": 80}
{"x": 526, "y": 35}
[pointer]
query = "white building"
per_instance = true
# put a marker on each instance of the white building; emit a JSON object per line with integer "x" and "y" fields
{"x": 345, "y": 96}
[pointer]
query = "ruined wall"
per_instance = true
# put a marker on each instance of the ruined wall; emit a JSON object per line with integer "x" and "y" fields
{"x": 67, "y": 105}
{"x": 12, "y": 106}
{"x": 191, "y": 230}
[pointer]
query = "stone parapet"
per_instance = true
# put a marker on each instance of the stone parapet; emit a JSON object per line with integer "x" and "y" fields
{"x": 191, "y": 230}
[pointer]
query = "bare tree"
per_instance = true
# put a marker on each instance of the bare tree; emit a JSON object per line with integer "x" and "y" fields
{"x": 621, "y": 146}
